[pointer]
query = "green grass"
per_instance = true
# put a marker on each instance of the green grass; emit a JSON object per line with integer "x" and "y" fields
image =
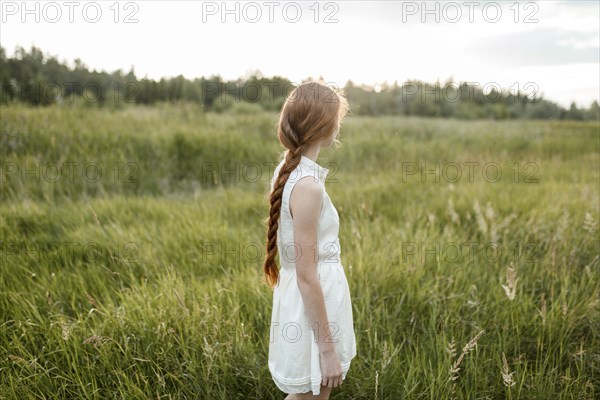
{"x": 146, "y": 282}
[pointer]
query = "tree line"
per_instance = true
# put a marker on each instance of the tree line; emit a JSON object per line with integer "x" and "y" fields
{"x": 36, "y": 78}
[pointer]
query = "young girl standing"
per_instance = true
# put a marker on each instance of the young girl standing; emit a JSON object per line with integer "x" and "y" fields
{"x": 312, "y": 340}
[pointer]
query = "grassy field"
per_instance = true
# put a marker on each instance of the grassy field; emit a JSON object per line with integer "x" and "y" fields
{"x": 132, "y": 248}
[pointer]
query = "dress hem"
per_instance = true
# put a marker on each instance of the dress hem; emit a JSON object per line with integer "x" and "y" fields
{"x": 292, "y": 386}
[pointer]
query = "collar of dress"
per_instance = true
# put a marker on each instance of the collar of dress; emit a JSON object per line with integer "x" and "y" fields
{"x": 314, "y": 166}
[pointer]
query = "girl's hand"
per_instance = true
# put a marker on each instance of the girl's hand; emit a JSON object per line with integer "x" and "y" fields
{"x": 331, "y": 369}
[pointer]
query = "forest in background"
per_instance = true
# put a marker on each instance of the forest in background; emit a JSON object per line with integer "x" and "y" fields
{"x": 40, "y": 79}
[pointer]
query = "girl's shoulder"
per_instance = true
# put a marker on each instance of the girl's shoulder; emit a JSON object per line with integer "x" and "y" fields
{"x": 305, "y": 168}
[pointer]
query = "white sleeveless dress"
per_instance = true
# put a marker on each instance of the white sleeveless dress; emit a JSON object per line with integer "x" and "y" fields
{"x": 293, "y": 352}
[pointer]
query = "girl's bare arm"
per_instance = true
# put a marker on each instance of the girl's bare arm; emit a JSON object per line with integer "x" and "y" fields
{"x": 305, "y": 204}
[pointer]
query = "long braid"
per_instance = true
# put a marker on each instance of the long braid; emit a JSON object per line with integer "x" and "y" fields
{"x": 291, "y": 162}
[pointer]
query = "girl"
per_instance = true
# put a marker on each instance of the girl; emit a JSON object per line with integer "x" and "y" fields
{"x": 312, "y": 339}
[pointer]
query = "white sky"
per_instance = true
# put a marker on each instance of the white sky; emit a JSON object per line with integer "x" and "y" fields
{"x": 371, "y": 42}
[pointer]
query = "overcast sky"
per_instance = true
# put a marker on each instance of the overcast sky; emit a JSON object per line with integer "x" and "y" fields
{"x": 552, "y": 44}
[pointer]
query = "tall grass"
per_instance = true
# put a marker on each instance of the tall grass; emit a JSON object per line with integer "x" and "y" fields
{"x": 151, "y": 287}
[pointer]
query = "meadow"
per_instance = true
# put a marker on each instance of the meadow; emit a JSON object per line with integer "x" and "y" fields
{"x": 133, "y": 241}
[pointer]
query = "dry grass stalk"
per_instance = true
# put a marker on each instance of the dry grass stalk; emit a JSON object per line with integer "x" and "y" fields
{"x": 65, "y": 330}
{"x": 454, "y": 217}
{"x": 481, "y": 223}
{"x": 506, "y": 374}
{"x": 511, "y": 282}
{"x": 589, "y": 224}
{"x": 451, "y": 348}
{"x": 96, "y": 340}
{"x": 376, "y": 383}
{"x": 468, "y": 348}
{"x": 543, "y": 309}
